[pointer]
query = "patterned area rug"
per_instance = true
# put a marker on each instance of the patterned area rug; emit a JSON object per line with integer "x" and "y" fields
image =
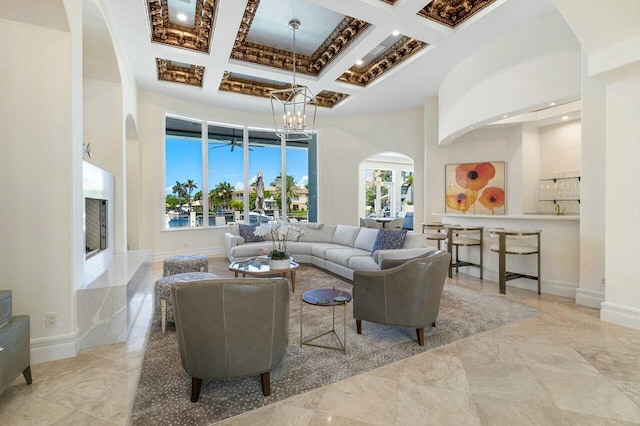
{"x": 164, "y": 388}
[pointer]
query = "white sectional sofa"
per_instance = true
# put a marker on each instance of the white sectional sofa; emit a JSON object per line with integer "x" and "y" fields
{"x": 339, "y": 249}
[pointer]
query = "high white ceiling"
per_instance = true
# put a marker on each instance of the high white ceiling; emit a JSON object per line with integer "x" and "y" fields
{"x": 405, "y": 86}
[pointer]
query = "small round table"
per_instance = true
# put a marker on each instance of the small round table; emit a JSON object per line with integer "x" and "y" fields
{"x": 259, "y": 267}
{"x": 326, "y": 297}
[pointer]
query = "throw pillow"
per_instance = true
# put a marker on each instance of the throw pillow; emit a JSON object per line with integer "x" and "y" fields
{"x": 389, "y": 239}
{"x": 246, "y": 232}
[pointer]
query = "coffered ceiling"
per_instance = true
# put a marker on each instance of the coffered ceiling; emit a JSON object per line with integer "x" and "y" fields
{"x": 356, "y": 56}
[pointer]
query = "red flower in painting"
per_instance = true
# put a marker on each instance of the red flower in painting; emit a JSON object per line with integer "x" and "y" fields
{"x": 461, "y": 201}
{"x": 474, "y": 176}
{"x": 492, "y": 197}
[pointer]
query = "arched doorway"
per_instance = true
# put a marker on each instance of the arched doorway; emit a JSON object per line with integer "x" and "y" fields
{"x": 385, "y": 185}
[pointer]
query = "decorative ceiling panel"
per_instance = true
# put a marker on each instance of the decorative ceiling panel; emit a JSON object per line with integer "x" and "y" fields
{"x": 453, "y": 12}
{"x": 177, "y": 72}
{"x": 196, "y": 38}
{"x": 390, "y": 1}
{"x": 341, "y": 37}
{"x": 247, "y": 85}
{"x": 400, "y": 51}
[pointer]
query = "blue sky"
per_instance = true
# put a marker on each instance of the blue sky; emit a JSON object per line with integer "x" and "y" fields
{"x": 184, "y": 161}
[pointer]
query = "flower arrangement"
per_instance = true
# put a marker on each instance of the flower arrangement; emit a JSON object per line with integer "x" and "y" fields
{"x": 280, "y": 232}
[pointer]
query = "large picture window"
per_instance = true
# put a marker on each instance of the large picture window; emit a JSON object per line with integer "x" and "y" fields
{"x": 212, "y": 179}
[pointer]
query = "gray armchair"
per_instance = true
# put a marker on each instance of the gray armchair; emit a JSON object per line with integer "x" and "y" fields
{"x": 229, "y": 327}
{"x": 407, "y": 295}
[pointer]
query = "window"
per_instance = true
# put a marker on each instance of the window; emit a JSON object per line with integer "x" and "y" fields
{"x": 219, "y": 197}
{"x": 183, "y": 173}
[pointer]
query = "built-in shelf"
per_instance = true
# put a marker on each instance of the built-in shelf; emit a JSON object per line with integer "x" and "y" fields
{"x": 560, "y": 178}
{"x": 555, "y": 201}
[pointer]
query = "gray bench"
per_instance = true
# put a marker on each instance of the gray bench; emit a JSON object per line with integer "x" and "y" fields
{"x": 15, "y": 355}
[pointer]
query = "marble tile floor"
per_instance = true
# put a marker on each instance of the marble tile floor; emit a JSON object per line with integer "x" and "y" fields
{"x": 564, "y": 367}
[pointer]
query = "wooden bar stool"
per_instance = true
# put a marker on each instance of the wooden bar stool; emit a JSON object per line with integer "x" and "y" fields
{"x": 466, "y": 236}
{"x": 515, "y": 242}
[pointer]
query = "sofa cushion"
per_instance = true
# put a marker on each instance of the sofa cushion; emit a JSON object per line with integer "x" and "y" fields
{"x": 299, "y": 247}
{"x": 341, "y": 256}
{"x": 318, "y": 250}
{"x": 414, "y": 240}
{"x": 317, "y": 232}
{"x": 345, "y": 235}
{"x": 246, "y": 250}
{"x": 366, "y": 239}
{"x": 247, "y": 232}
{"x": 389, "y": 239}
{"x": 233, "y": 229}
{"x": 363, "y": 263}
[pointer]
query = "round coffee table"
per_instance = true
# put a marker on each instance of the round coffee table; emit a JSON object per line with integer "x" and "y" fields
{"x": 326, "y": 297}
{"x": 259, "y": 267}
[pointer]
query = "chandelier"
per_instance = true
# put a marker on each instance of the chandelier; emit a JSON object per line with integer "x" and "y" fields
{"x": 294, "y": 108}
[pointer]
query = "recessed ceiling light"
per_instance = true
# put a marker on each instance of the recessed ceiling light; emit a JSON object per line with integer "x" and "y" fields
{"x": 395, "y": 33}
{"x": 505, "y": 116}
{"x": 359, "y": 62}
{"x": 565, "y": 117}
{"x": 552, "y": 104}
{"x": 181, "y": 16}
{"x": 471, "y": 127}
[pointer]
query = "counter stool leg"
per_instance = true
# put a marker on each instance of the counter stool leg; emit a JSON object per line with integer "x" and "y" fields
{"x": 502, "y": 260}
{"x": 450, "y": 250}
{"x": 163, "y": 316}
{"x": 481, "y": 251}
{"x": 539, "y": 275}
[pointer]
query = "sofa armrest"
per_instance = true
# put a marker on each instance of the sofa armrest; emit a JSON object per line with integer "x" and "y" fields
{"x": 231, "y": 241}
{"x": 400, "y": 254}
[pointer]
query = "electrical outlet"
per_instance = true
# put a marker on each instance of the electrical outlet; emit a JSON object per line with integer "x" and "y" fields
{"x": 602, "y": 280}
{"x": 185, "y": 245}
{"x": 475, "y": 258}
{"x": 51, "y": 319}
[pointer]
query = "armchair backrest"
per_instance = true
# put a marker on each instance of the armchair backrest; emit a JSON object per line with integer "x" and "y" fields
{"x": 406, "y": 295}
{"x": 229, "y": 327}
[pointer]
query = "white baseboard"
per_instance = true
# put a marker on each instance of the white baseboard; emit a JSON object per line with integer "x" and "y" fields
{"x": 558, "y": 288}
{"x": 218, "y": 251}
{"x": 621, "y": 315}
{"x": 590, "y": 298}
{"x": 53, "y": 348}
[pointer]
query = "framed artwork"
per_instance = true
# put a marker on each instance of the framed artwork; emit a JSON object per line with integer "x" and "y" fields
{"x": 475, "y": 188}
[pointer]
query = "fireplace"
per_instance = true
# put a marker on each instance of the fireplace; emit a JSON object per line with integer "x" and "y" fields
{"x": 99, "y": 221}
{"x": 95, "y": 225}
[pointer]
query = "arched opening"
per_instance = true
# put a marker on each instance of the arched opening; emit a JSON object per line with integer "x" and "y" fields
{"x": 385, "y": 185}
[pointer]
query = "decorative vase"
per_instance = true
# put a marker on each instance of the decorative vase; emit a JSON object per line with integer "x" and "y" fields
{"x": 279, "y": 264}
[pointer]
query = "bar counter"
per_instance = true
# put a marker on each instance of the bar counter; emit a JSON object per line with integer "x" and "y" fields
{"x": 560, "y": 249}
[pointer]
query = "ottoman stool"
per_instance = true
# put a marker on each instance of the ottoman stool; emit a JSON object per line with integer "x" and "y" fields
{"x": 181, "y": 264}
{"x": 163, "y": 303}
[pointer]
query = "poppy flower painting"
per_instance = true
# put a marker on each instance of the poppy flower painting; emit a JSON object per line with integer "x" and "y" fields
{"x": 475, "y": 188}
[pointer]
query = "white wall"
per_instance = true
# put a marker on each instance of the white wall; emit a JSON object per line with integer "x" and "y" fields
{"x": 486, "y": 144}
{"x": 343, "y": 143}
{"x": 592, "y": 187}
{"x": 103, "y": 129}
{"x": 622, "y": 204}
{"x": 560, "y": 148}
{"x": 36, "y": 256}
{"x": 519, "y": 72}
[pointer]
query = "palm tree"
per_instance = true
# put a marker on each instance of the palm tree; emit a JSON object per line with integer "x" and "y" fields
{"x": 179, "y": 191}
{"x": 221, "y": 195}
{"x": 189, "y": 186}
{"x": 291, "y": 190}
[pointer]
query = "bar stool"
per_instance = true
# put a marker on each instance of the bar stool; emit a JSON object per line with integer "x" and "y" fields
{"x": 515, "y": 242}
{"x": 463, "y": 236}
{"x": 434, "y": 232}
